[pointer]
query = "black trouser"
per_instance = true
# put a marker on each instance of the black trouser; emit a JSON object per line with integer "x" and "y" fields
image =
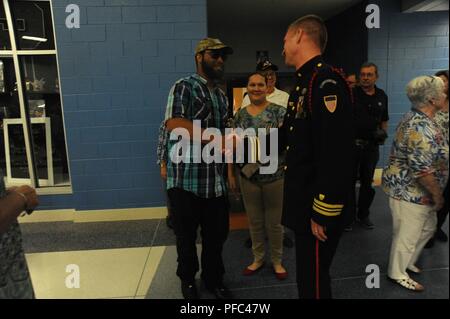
{"x": 443, "y": 212}
{"x": 366, "y": 162}
{"x": 188, "y": 213}
{"x": 314, "y": 260}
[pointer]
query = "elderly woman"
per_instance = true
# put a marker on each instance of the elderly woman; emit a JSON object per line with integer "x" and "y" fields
{"x": 415, "y": 178}
{"x": 262, "y": 193}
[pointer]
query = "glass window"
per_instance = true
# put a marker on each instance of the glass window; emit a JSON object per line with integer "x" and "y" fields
{"x": 5, "y": 43}
{"x": 44, "y": 108}
{"x": 41, "y": 152}
{"x": 13, "y": 159}
{"x": 34, "y": 27}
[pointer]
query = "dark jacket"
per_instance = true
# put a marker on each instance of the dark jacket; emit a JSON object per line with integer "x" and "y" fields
{"x": 318, "y": 135}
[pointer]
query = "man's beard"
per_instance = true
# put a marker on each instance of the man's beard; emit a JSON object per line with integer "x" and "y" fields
{"x": 211, "y": 73}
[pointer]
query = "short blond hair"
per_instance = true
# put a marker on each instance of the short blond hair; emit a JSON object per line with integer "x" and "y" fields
{"x": 314, "y": 27}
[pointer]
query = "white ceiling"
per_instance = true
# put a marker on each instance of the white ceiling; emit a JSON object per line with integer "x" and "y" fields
{"x": 276, "y": 10}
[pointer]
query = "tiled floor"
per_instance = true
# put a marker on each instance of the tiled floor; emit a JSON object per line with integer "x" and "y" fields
{"x": 110, "y": 273}
{"x": 137, "y": 259}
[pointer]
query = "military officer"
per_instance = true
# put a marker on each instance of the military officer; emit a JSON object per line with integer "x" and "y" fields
{"x": 318, "y": 136}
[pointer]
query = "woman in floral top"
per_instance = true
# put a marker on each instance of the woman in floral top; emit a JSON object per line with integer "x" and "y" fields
{"x": 262, "y": 193}
{"x": 441, "y": 119}
{"x": 415, "y": 178}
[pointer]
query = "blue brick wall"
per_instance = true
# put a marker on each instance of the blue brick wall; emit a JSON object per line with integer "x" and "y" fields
{"x": 116, "y": 71}
{"x": 407, "y": 45}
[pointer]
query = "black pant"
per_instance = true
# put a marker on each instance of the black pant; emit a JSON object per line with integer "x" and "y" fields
{"x": 314, "y": 260}
{"x": 188, "y": 213}
{"x": 443, "y": 212}
{"x": 366, "y": 162}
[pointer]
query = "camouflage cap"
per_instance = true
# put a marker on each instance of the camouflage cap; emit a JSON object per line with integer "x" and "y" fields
{"x": 212, "y": 44}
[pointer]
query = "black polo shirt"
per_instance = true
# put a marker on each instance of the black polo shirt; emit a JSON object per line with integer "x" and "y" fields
{"x": 370, "y": 111}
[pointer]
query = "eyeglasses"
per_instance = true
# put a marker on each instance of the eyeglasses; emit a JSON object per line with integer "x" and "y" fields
{"x": 217, "y": 54}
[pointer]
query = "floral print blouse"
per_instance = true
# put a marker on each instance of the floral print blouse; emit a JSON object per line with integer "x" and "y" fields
{"x": 419, "y": 149}
{"x": 271, "y": 117}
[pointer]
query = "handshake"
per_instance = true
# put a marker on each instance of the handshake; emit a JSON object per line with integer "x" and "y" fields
{"x": 229, "y": 143}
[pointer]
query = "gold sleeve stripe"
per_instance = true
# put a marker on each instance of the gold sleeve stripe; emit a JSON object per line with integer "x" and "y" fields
{"x": 322, "y": 212}
{"x": 334, "y": 210}
{"x": 320, "y": 203}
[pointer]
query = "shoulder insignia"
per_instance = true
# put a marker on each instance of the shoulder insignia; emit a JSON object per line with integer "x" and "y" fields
{"x": 326, "y": 82}
{"x": 330, "y": 102}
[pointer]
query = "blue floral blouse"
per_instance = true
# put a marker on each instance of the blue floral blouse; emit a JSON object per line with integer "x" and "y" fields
{"x": 419, "y": 149}
{"x": 271, "y": 117}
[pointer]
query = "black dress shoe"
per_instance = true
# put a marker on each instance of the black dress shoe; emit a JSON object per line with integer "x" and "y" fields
{"x": 287, "y": 242}
{"x": 366, "y": 223}
{"x": 189, "y": 290}
{"x": 221, "y": 292}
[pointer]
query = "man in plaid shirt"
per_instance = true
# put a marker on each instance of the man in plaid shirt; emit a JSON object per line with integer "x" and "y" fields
{"x": 196, "y": 189}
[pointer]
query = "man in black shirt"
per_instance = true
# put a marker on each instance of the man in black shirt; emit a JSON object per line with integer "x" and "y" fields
{"x": 371, "y": 107}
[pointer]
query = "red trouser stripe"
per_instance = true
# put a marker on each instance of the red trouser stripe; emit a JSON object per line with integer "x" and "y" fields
{"x": 317, "y": 271}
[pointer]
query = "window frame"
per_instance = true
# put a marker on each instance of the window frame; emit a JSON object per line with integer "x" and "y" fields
{"x": 25, "y": 119}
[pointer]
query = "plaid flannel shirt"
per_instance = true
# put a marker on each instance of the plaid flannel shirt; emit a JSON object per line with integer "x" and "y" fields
{"x": 192, "y": 99}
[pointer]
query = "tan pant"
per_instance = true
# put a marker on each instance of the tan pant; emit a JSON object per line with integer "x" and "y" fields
{"x": 263, "y": 204}
{"x": 413, "y": 226}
